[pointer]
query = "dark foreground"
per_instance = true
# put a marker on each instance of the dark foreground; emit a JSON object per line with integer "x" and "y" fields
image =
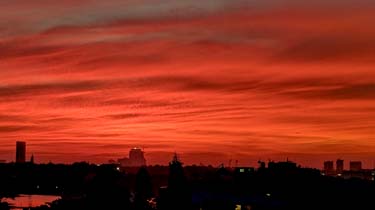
{"x": 280, "y": 186}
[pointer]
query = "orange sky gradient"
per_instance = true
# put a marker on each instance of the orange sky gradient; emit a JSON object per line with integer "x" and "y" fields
{"x": 212, "y": 80}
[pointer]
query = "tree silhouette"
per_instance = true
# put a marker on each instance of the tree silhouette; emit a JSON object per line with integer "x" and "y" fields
{"x": 143, "y": 189}
{"x": 179, "y": 194}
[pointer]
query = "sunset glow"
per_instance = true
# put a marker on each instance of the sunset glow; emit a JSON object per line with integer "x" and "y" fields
{"x": 212, "y": 80}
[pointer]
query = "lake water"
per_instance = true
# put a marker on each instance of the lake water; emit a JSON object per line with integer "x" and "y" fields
{"x": 26, "y": 201}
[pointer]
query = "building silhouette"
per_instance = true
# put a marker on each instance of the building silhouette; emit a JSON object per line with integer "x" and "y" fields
{"x": 328, "y": 167}
{"x": 20, "y": 152}
{"x": 339, "y": 166}
{"x": 136, "y": 158}
{"x": 355, "y": 165}
{"x": 136, "y": 155}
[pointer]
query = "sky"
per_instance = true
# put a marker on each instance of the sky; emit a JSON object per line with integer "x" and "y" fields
{"x": 213, "y": 80}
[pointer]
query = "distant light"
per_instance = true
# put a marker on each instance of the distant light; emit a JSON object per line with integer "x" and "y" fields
{"x": 57, "y": 187}
{"x": 323, "y": 174}
{"x": 268, "y": 195}
{"x": 152, "y": 202}
{"x": 339, "y": 174}
{"x": 118, "y": 168}
{"x": 37, "y": 187}
{"x": 238, "y": 207}
{"x": 242, "y": 170}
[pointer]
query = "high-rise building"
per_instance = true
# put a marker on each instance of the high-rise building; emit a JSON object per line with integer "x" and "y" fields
{"x": 136, "y": 158}
{"x": 20, "y": 152}
{"x": 339, "y": 166}
{"x": 136, "y": 155}
{"x": 328, "y": 167}
{"x": 355, "y": 165}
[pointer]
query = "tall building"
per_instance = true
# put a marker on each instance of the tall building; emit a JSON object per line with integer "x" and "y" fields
{"x": 355, "y": 165}
{"x": 20, "y": 152}
{"x": 136, "y": 158}
{"x": 328, "y": 167}
{"x": 339, "y": 166}
{"x": 136, "y": 155}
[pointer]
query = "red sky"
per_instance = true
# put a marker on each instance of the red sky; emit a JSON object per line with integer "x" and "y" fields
{"x": 212, "y": 80}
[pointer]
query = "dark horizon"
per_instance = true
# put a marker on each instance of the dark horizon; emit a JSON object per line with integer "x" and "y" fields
{"x": 212, "y": 80}
{"x": 275, "y": 186}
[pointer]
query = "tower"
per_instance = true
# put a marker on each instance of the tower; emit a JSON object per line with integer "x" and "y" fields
{"x": 328, "y": 167}
{"x": 339, "y": 166}
{"x": 32, "y": 159}
{"x": 20, "y": 152}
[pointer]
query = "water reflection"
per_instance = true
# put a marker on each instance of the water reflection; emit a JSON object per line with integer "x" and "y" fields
{"x": 27, "y": 201}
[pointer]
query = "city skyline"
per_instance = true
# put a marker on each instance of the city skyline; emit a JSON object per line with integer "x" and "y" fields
{"x": 136, "y": 158}
{"x": 214, "y": 81}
